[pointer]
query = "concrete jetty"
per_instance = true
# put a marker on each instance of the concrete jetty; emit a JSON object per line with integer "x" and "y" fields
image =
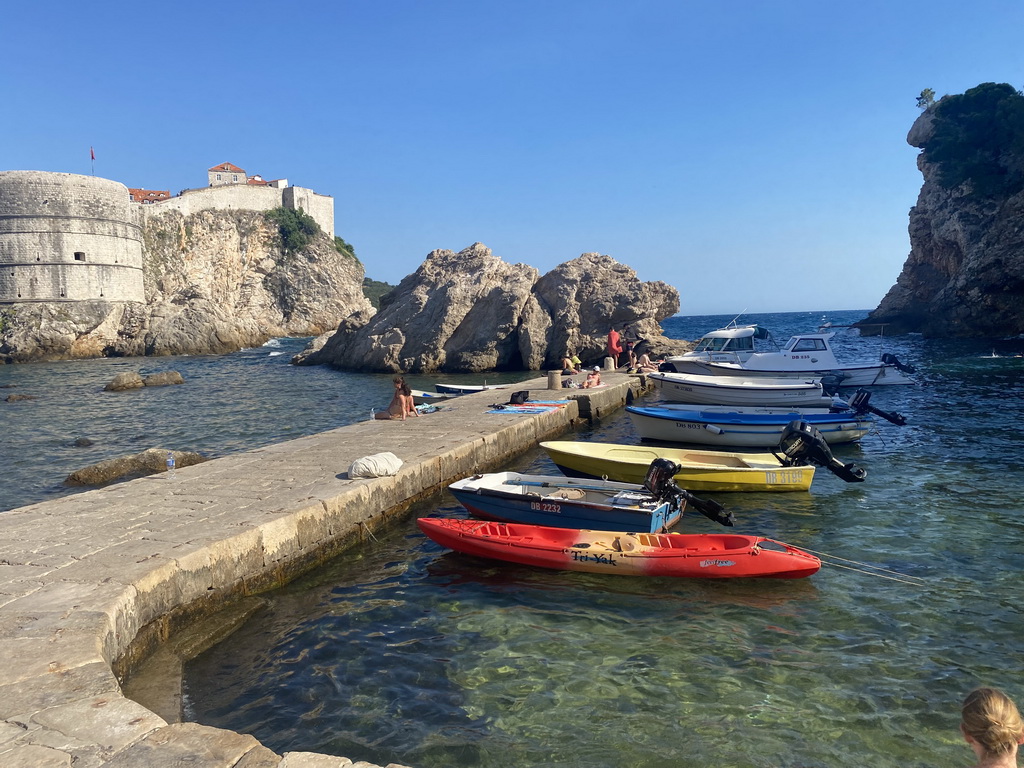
{"x": 96, "y": 584}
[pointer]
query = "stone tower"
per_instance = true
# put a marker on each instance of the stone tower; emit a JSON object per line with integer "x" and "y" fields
{"x": 67, "y": 237}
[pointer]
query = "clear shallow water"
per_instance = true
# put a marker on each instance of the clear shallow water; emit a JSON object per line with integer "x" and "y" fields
{"x": 403, "y": 652}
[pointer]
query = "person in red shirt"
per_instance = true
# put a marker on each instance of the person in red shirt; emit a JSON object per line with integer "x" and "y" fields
{"x": 614, "y": 346}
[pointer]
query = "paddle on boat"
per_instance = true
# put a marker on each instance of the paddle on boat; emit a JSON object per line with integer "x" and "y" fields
{"x": 697, "y": 555}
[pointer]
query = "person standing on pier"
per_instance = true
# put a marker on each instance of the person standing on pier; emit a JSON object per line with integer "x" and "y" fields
{"x": 614, "y": 346}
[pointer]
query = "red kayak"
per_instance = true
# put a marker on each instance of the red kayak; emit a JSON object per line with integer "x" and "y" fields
{"x": 697, "y": 555}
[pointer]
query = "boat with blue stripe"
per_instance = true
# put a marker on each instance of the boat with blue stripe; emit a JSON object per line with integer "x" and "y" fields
{"x": 738, "y": 429}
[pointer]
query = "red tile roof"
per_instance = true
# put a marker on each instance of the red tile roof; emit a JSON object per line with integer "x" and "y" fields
{"x": 148, "y": 195}
{"x": 228, "y": 168}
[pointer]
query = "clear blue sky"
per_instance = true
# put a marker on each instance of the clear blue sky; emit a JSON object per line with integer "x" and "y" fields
{"x": 751, "y": 153}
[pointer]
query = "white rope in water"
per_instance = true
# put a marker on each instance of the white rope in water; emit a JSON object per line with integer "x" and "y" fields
{"x": 873, "y": 568}
{"x": 918, "y": 583}
{"x": 368, "y": 531}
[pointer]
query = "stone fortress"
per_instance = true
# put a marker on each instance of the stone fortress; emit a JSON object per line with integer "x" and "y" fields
{"x": 66, "y": 237}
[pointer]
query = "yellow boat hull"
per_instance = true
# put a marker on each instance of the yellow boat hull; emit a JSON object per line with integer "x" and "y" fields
{"x": 702, "y": 470}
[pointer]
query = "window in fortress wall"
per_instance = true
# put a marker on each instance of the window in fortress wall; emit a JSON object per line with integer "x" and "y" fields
{"x": 79, "y": 256}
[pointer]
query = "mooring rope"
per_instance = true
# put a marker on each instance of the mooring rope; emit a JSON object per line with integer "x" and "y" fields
{"x": 369, "y": 531}
{"x": 918, "y": 583}
{"x": 905, "y": 578}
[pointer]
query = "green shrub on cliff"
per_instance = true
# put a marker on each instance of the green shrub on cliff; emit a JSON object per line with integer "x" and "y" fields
{"x": 979, "y": 138}
{"x": 374, "y": 289}
{"x": 296, "y": 227}
{"x": 345, "y": 249}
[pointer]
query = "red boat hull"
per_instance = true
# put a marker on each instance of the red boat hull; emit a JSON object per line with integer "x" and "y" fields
{"x": 698, "y": 555}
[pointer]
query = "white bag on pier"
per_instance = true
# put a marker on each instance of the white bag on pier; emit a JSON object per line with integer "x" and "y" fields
{"x": 375, "y": 465}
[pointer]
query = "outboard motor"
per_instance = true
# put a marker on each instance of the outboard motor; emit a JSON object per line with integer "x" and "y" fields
{"x": 802, "y": 444}
{"x": 660, "y": 482}
{"x": 831, "y": 382}
{"x": 859, "y": 404}
{"x": 891, "y": 359}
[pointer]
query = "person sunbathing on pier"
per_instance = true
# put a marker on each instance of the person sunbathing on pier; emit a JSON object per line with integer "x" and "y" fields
{"x": 401, "y": 404}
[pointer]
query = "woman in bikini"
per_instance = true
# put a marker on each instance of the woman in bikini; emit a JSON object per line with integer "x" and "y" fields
{"x": 401, "y": 404}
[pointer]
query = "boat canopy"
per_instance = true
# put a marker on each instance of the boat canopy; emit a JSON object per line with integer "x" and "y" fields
{"x": 732, "y": 339}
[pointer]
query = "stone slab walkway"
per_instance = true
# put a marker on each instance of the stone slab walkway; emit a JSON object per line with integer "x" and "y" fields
{"x": 93, "y": 584}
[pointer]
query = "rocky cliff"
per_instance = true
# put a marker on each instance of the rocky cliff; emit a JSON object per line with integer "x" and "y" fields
{"x": 965, "y": 273}
{"x": 215, "y": 282}
{"x": 471, "y": 312}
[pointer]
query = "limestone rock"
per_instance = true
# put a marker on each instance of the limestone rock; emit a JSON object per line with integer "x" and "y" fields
{"x": 578, "y": 302}
{"x": 163, "y": 379}
{"x": 457, "y": 312}
{"x": 16, "y": 398}
{"x": 124, "y": 381}
{"x": 147, "y": 462}
{"x": 965, "y": 272}
{"x": 215, "y": 282}
{"x": 472, "y": 312}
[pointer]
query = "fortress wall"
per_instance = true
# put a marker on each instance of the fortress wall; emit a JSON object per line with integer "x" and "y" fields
{"x": 67, "y": 237}
{"x": 320, "y": 207}
{"x": 247, "y": 198}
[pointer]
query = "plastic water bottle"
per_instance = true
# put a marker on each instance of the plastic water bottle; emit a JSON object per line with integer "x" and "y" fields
{"x": 170, "y": 464}
{"x": 373, "y": 414}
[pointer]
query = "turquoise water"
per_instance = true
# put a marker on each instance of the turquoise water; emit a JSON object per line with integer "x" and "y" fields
{"x": 401, "y": 651}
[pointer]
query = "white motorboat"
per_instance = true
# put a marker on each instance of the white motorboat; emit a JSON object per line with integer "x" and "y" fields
{"x": 733, "y": 351}
{"x": 747, "y": 391}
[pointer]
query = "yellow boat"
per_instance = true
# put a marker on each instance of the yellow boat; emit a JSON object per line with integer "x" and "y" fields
{"x": 701, "y": 470}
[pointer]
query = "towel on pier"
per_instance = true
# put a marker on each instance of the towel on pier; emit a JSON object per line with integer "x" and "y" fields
{"x": 375, "y": 465}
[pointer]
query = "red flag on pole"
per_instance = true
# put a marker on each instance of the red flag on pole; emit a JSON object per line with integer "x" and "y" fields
{"x": 92, "y": 155}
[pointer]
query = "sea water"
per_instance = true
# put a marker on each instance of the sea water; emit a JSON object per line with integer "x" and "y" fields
{"x": 402, "y": 651}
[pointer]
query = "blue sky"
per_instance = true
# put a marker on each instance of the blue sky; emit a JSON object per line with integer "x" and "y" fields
{"x": 751, "y": 154}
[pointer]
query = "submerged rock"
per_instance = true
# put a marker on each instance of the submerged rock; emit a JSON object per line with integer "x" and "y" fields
{"x": 163, "y": 379}
{"x": 124, "y": 381}
{"x": 147, "y": 462}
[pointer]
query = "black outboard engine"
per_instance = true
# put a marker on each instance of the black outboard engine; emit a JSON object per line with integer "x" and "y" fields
{"x": 660, "y": 482}
{"x": 831, "y": 382}
{"x": 667, "y": 368}
{"x": 859, "y": 403}
{"x": 891, "y": 359}
{"x": 802, "y": 444}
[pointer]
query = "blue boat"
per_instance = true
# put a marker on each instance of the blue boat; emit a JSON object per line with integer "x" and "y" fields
{"x": 737, "y": 429}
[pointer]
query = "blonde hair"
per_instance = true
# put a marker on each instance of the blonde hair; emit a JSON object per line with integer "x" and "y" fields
{"x": 991, "y": 718}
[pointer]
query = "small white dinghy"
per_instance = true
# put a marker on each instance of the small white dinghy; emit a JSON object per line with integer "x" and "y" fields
{"x": 748, "y": 391}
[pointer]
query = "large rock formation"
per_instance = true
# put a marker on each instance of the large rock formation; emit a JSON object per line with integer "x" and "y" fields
{"x": 470, "y": 312}
{"x": 215, "y": 282}
{"x": 965, "y": 273}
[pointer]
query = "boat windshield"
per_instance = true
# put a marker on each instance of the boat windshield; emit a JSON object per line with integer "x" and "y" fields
{"x": 798, "y": 344}
{"x": 718, "y": 344}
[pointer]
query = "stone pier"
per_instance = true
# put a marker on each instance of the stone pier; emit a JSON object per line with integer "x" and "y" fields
{"x": 94, "y": 585}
